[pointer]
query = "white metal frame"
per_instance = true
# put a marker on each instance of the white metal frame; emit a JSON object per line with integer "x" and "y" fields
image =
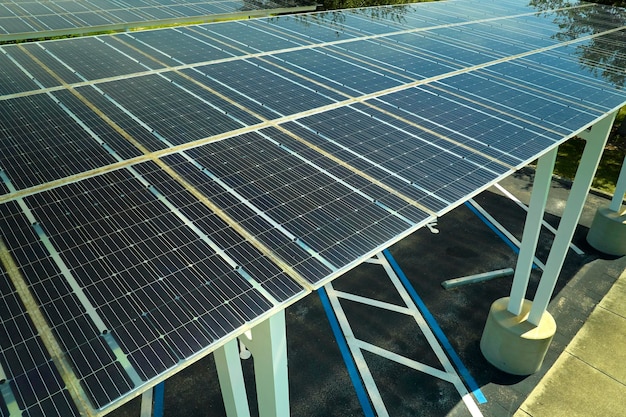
{"x": 267, "y": 342}
{"x": 620, "y": 190}
{"x": 596, "y": 138}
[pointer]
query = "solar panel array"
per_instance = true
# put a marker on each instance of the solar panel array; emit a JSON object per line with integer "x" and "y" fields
{"x": 29, "y": 19}
{"x": 162, "y": 190}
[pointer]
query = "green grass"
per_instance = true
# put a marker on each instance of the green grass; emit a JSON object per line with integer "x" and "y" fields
{"x": 610, "y": 164}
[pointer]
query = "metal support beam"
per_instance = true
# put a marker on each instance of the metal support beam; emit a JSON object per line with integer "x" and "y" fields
{"x": 532, "y": 228}
{"x": 620, "y": 190}
{"x": 146, "y": 403}
{"x": 230, "y": 375}
{"x": 596, "y": 139}
{"x": 268, "y": 344}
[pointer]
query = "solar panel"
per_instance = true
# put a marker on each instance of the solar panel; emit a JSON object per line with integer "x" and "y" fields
{"x": 33, "y": 19}
{"x": 162, "y": 191}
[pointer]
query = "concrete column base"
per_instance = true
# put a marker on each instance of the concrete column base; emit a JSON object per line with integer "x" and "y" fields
{"x": 512, "y": 344}
{"x": 608, "y": 232}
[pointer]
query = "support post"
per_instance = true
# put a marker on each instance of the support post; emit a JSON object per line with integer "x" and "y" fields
{"x": 268, "y": 344}
{"x": 152, "y": 401}
{"x": 608, "y": 230}
{"x": 620, "y": 190}
{"x": 230, "y": 375}
{"x": 146, "y": 403}
{"x": 532, "y": 228}
{"x": 596, "y": 139}
{"x": 518, "y": 332}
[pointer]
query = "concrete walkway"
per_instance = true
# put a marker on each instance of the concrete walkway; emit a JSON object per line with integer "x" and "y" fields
{"x": 589, "y": 377}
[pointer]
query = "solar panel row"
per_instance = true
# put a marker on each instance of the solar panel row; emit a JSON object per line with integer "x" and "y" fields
{"x": 163, "y": 189}
{"x": 33, "y": 19}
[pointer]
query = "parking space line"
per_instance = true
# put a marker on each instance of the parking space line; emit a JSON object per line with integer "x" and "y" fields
{"x": 409, "y": 363}
{"x": 434, "y": 326}
{"x": 357, "y": 355}
{"x": 547, "y": 225}
{"x": 159, "y": 391}
{"x": 346, "y": 355}
{"x": 499, "y": 230}
{"x": 352, "y": 348}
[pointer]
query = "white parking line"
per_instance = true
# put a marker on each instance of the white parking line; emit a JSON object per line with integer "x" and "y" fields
{"x": 356, "y": 346}
{"x": 544, "y": 223}
{"x": 502, "y": 229}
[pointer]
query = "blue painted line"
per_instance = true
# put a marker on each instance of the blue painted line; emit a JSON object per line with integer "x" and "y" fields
{"x": 493, "y": 227}
{"x": 434, "y": 326}
{"x": 495, "y": 230}
{"x": 157, "y": 400}
{"x": 347, "y": 356}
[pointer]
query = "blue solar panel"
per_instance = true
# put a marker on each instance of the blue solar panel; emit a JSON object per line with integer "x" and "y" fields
{"x": 185, "y": 45}
{"x": 14, "y": 80}
{"x": 145, "y": 270}
{"x": 43, "y": 142}
{"x": 30, "y": 68}
{"x": 162, "y": 191}
{"x": 24, "y": 360}
{"x": 31, "y": 19}
{"x": 92, "y": 59}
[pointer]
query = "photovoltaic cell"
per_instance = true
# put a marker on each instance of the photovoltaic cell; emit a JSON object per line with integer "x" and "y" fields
{"x": 171, "y": 114}
{"x": 144, "y": 268}
{"x": 284, "y": 244}
{"x": 576, "y": 93}
{"x": 390, "y": 155}
{"x": 161, "y": 191}
{"x": 184, "y": 45}
{"x": 92, "y": 18}
{"x": 14, "y": 80}
{"x": 402, "y": 64}
{"x": 315, "y": 27}
{"x": 23, "y": 359}
{"x": 41, "y": 60}
{"x": 44, "y": 143}
{"x": 110, "y": 140}
{"x": 30, "y": 68}
{"x": 338, "y": 72}
{"x": 242, "y": 252}
{"x": 252, "y": 36}
{"x": 85, "y": 348}
{"x": 529, "y": 104}
{"x": 265, "y": 89}
{"x": 501, "y": 136}
{"x": 93, "y": 59}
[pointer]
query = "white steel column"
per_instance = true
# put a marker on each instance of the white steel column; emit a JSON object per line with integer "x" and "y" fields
{"x": 620, "y": 190}
{"x": 608, "y": 229}
{"x": 596, "y": 140}
{"x": 230, "y": 375}
{"x": 532, "y": 228}
{"x": 146, "y": 403}
{"x": 268, "y": 345}
{"x": 518, "y": 332}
